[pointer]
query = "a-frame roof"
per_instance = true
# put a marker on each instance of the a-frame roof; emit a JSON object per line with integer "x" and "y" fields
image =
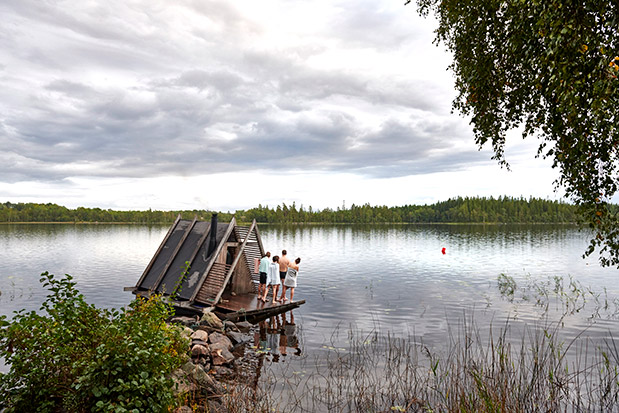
{"x": 189, "y": 241}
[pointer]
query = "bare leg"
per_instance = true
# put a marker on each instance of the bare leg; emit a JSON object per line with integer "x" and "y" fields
{"x": 275, "y": 288}
{"x": 266, "y": 291}
{"x": 291, "y": 293}
{"x": 261, "y": 289}
{"x": 283, "y": 296}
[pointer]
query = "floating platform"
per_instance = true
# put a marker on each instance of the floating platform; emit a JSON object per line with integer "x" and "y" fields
{"x": 249, "y": 307}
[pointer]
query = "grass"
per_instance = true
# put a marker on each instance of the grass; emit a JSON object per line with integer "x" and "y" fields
{"x": 513, "y": 367}
{"x": 509, "y": 369}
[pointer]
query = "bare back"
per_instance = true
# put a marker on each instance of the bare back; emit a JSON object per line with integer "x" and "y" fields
{"x": 284, "y": 263}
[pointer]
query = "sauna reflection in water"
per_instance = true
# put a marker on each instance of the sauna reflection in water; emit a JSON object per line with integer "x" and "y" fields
{"x": 376, "y": 278}
{"x": 277, "y": 336}
{"x": 378, "y": 282}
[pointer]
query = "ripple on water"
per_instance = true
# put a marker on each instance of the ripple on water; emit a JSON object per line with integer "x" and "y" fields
{"x": 391, "y": 278}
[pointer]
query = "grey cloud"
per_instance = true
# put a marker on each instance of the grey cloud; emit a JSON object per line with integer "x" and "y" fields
{"x": 221, "y": 106}
{"x": 316, "y": 85}
{"x": 70, "y": 88}
{"x": 369, "y": 23}
{"x": 167, "y": 135}
{"x": 227, "y": 15}
{"x": 201, "y": 79}
{"x": 294, "y": 83}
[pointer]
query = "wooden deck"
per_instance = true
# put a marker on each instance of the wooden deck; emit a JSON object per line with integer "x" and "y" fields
{"x": 248, "y": 306}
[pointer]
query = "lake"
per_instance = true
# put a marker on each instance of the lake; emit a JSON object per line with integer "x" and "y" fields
{"x": 387, "y": 278}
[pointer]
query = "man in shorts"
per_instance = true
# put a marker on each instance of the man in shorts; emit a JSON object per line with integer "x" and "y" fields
{"x": 262, "y": 270}
{"x": 283, "y": 268}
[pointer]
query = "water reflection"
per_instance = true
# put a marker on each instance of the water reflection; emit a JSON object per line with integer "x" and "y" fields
{"x": 388, "y": 277}
{"x": 276, "y": 341}
{"x": 396, "y": 279}
{"x": 102, "y": 259}
{"x": 277, "y": 336}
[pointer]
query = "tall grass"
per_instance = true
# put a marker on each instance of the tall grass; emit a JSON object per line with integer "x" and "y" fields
{"x": 505, "y": 367}
{"x": 479, "y": 370}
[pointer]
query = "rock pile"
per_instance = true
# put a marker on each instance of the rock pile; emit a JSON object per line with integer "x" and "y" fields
{"x": 215, "y": 349}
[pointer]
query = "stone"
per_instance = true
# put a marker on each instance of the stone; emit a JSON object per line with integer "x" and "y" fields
{"x": 206, "y": 383}
{"x": 230, "y": 326}
{"x": 182, "y": 384}
{"x": 188, "y": 367}
{"x": 183, "y": 409}
{"x": 221, "y": 356}
{"x": 201, "y": 342}
{"x": 243, "y": 326}
{"x": 221, "y": 345}
{"x": 220, "y": 341}
{"x": 201, "y": 377}
{"x": 186, "y": 321}
{"x": 237, "y": 338}
{"x": 210, "y": 319}
{"x": 196, "y": 379}
{"x": 199, "y": 350}
{"x": 222, "y": 372}
{"x": 208, "y": 329}
{"x": 216, "y": 407}
{"x": 199, "y": 335}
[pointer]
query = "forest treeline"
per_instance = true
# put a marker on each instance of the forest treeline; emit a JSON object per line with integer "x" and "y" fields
{"x": 473, "y": 210}
{"x": 33, "y": 212}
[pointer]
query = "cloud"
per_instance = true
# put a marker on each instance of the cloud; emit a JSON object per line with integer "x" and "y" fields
{"x": 150, "y": 89}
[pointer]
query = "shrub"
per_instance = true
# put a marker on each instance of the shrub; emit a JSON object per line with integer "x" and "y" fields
{"x": 75, "y": 357}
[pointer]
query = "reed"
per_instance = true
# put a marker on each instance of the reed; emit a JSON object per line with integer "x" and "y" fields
{"x": 505, "y": 367}
{"x": 509, "y": 369}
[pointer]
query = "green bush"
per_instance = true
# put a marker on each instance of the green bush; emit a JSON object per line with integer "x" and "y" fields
{"x": 72, "y": 356}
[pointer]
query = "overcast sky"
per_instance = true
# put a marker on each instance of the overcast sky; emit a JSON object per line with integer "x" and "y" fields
{"x": 227, "y": 104}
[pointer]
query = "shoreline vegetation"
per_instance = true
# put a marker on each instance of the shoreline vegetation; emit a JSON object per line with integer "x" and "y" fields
{"x": 467, "y": 210}
{"x": 76, "y": 357}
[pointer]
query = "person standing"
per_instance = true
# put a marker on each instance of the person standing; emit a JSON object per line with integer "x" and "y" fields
{"x": 273, "y": 279}
{"x": 283, "y": 268}
{"x": 262, "y": 270}
{"x": 291, "y": 279}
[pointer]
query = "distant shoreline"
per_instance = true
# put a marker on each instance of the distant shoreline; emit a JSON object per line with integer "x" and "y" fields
{"x": 479, "y": 211}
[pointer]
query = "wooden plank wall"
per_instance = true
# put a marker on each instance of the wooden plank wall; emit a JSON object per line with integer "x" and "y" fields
{"x": 252, "y": 251}
{"x": 214, "y": 283}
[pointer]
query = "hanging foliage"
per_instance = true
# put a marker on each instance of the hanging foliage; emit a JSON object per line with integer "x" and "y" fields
{"x": 549, "y": 67}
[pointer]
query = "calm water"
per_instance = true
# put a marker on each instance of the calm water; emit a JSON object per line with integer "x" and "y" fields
{"x": 393, "y": 278}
